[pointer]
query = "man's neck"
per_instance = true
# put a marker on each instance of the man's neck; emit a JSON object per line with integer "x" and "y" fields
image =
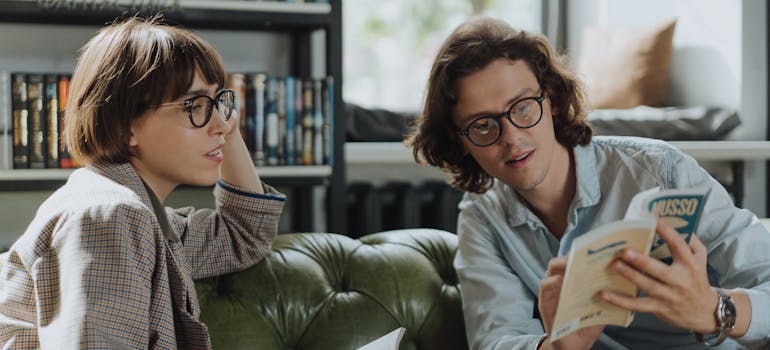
{"x": 551, "y": 200}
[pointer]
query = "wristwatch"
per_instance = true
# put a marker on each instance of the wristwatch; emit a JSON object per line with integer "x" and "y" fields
{"x": 725, "y": 315}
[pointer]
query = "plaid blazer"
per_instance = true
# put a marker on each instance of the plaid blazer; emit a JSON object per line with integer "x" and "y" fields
{"x": 95, "y": 268}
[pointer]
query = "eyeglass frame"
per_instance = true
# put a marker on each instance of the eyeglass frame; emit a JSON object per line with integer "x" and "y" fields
{"x": 496, "y": 117}
{"x": 187, "y": 104}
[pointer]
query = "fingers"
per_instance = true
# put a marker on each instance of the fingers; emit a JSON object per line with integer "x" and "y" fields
{"x": 556, "y": 266}
{"x": 643, "y": 280}
{"x": 640, "y": 304}
{"x": 699, "y": 250}
{"x": 676, "y": 244}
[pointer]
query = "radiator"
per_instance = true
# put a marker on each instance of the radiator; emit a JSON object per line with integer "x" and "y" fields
{"x": 396, "y": 205}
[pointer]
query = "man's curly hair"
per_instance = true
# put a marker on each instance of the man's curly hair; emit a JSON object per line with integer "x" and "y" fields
{"x": 471, "y": 47}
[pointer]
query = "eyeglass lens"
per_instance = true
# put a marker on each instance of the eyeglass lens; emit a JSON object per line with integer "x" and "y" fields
{"x": 485, "y": 131}
{"x": 202, "y": 107}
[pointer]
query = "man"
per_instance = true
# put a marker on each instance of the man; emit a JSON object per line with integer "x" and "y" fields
{"x": 506, "y": 117}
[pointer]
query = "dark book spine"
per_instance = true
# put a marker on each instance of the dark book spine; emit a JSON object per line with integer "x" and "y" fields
{"x": 36, "y": 121}
{"x": 20, "y": 122}
{"x": 328, "y": 125}
{"x": 65, "y": 161}
{"x": 248, "y": 129}
{"x": 318, "y": 121}
{"x": 52, "y": 121}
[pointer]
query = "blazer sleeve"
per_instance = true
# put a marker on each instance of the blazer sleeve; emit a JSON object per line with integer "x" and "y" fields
{"x": 234, "y": 235}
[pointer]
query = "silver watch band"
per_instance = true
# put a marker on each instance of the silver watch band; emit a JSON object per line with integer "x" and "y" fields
{"x": 725, "y": 316}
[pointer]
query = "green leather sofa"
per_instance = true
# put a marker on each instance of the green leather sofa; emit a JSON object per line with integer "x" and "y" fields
{"x": 320, "y": 291}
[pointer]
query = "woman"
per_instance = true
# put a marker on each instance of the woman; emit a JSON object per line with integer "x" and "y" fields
{"x": 104, "y": 264}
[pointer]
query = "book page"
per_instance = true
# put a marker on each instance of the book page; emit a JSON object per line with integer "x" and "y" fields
{"x": 388, "y": 341}
{"x": 588, "y": 273}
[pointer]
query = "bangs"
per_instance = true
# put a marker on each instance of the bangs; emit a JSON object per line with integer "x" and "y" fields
{"x": 177, "y": 57}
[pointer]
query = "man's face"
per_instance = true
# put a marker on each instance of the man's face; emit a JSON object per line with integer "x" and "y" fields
{"x": 521, "y": 158}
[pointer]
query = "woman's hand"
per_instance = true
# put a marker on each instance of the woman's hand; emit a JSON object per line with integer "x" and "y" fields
{"x": 548, "y": 300}
{"x": 680, "y": 293}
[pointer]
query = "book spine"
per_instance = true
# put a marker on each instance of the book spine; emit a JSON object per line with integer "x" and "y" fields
{"x": 237, "y": 82}
{"x": 281, "y": 107}
{"x": 36, "y": 121}
{"x": 65, "y": 161}
{"x": 290, "y": 122}
{"x": 259, "y": 122}
{"x": 248, "y": 130}
{"x": 6, "y": 146}
{"x": 52, "y": 121}
{"x": 307, "y": 122}
{"x": 328, "y": 127}
{"x": 318, "y": 117}
{"x": 271, "y": 122}
{"x": 20, "y": 122}
{"x": 299, "y": 145}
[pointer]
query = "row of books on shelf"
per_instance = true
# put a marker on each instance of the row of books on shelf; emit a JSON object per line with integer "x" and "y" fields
{"x": 284, "y": 120}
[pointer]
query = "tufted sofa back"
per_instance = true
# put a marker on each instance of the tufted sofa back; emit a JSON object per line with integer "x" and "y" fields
{"x": 327, "y": 292}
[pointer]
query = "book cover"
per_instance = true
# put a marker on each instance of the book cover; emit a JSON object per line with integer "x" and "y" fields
{"x": 591, "y": 254}
{"x": 20, "y": 121}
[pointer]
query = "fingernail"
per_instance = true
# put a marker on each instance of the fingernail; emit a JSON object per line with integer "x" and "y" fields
{"x": 630, "y": 254}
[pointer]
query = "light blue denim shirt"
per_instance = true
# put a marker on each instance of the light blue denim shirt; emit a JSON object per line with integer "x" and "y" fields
{"x": 504, "y": 247}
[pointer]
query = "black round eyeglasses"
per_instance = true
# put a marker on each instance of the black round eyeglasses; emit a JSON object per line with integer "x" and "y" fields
{"x": 486, "y": 130}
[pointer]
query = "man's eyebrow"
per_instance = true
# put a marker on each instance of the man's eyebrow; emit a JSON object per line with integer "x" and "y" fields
{"x": 523, "y": 93}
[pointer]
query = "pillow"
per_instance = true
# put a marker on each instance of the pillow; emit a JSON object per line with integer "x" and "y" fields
{"x": 669, "y": 123}
{"x": 624, "y": 68}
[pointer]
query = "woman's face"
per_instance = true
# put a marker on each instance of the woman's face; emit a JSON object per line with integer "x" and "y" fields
{"x": 169, "y": 150}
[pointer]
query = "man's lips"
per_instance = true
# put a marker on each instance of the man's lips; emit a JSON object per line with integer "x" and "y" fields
{"x": 519, "y": 158}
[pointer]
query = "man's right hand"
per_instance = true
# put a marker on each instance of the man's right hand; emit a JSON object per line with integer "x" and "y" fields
{"x": 548, "y": 300}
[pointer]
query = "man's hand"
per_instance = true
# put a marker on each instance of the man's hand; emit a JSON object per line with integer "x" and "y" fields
{"x": 680, "y": 293}
{"x": 548, "y": 300}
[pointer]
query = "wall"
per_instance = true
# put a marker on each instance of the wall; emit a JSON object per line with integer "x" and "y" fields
{"x": 719, "y": 59}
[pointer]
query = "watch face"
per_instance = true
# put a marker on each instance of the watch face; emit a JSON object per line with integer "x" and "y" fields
{"x": 728, "y": 312}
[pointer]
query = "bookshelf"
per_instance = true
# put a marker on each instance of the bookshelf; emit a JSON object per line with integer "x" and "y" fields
{"x": 296, "y": 21}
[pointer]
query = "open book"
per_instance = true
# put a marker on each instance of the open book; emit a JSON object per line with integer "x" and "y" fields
{"x": 589, "y": 258}
{"x": 390, "y": 341}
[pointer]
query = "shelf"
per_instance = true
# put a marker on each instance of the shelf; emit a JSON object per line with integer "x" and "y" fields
{"x": 50, "y": 179}
{"x": 398, "y": 153}
{"x": 216, "y": 14}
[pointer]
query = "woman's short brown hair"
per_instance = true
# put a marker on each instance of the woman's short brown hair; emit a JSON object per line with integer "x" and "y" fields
{"x": 126, "y": 69}
{"x": 471, "y": 47}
